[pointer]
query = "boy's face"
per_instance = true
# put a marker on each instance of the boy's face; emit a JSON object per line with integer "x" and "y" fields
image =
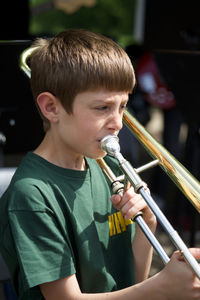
{"x": 95, "y": 115}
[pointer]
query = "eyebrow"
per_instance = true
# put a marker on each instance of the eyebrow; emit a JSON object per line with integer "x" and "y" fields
{"x": 109, "y": 100}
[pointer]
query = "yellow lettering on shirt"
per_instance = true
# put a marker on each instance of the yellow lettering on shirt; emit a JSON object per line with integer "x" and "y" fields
{"x": 111, "y": 225}
{"x": 117, "y": 223}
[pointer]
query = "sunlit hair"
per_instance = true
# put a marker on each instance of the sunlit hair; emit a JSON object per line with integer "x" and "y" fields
{"x": 76, "y": 61}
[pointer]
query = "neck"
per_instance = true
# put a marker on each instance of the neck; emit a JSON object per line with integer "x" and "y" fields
{"x": 58, "y": 157}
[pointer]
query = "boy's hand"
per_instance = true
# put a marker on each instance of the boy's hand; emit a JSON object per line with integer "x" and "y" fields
{"x": 131, "y": 203}
{"x": 178, "y": 279}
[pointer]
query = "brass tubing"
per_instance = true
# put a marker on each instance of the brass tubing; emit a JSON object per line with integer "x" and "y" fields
{"x": 183, "y": 179}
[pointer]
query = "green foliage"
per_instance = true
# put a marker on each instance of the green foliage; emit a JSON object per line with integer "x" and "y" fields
{"x": 113, "y": 18}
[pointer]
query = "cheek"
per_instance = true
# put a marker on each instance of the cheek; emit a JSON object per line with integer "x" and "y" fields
{"x": 85, "y": 126}
{"x": 91, "y": 125}
{"x": 83, "y": 131}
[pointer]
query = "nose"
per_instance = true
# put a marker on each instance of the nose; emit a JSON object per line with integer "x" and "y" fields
{"x": 115, "y": 121}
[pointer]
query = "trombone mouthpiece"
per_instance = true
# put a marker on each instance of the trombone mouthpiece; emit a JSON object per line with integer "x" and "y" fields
{"x": 110, "y": 144}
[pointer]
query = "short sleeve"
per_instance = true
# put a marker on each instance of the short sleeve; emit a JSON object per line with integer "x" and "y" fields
{"x": 43, "y": 252}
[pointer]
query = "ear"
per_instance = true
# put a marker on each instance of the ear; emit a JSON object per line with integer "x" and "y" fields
{"x": 48, "y": 105}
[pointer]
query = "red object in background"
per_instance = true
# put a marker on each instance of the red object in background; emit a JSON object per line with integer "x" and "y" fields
{"x": 152, "y": 84}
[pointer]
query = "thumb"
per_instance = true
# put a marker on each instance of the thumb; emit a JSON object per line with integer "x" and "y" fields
{"x": 115, "y": 199}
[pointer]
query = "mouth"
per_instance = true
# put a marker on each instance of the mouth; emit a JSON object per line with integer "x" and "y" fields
{"x": 114, "y": 134}
{"x": 100, "y": 139}
{"x": 99, "y": 146}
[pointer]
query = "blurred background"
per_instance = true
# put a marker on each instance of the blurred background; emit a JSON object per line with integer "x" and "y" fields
{"x": 162, "y": 39}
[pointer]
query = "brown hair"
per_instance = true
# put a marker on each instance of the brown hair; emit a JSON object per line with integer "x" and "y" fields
{"x": 78, "y": 60}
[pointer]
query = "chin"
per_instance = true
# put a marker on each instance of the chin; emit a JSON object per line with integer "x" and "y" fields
{"x": 96, "y": 155}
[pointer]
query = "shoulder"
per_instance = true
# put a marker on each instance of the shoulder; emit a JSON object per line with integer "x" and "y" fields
{"x": 24, "y": 190}
{"x": 24, "y": 194}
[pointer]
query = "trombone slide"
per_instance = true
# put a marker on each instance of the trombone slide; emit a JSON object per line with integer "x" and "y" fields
{"x": 135, "y": 180}
{"x": 118, "y": 188}
{"x": 111, "y": 146}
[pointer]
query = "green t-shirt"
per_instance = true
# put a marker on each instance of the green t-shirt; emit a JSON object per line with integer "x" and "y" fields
{"x": 55, "y": 222}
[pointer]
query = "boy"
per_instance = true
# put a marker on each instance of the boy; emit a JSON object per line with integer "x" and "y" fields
{"x": 56, "y": 231}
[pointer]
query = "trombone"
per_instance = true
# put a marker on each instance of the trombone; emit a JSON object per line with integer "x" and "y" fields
{"x": 181, "y": 177}
{"x": 110, "y": 144}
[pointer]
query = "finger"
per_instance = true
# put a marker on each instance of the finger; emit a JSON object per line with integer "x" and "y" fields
{"x": 179, "y": 256}
{"x": 127, "y": 186}
{"x": 129, "y": 194}
{"x": 195, "y": 252}
{"x": 133, "y": 206}
{"x": 116, "y": 201}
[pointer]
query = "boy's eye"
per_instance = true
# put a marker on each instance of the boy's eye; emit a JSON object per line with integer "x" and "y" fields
{"x": 102, "y": 108}
{"x": 123, "y": 106}
{"x": 107, "y": 107}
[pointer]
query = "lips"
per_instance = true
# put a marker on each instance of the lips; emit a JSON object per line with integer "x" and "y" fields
{"x": 115, "y": 133}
